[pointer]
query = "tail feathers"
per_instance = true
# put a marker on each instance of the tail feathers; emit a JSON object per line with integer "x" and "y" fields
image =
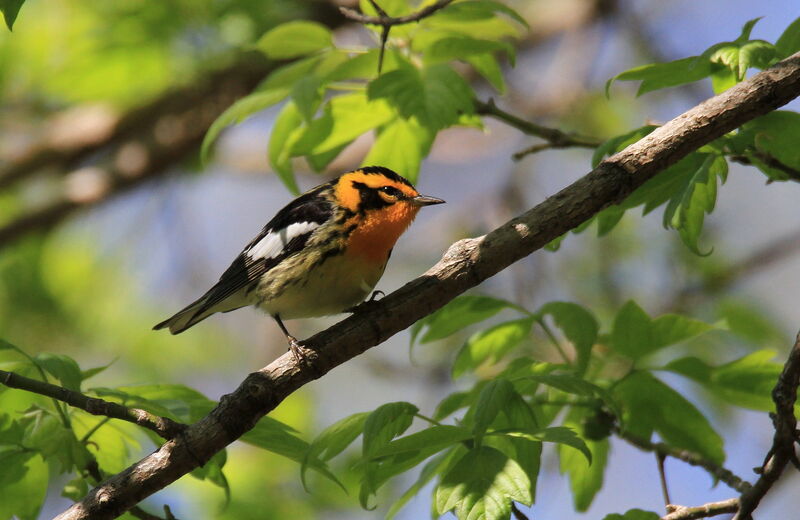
{"x": 185, "y": 318}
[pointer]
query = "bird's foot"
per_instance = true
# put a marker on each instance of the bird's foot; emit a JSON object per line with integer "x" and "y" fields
{"x": 301, "y": 357}
{"x": 366, "y": 304}
{"x": 297, "y": 350}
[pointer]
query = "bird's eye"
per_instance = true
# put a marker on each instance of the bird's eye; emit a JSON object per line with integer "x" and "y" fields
{"x": 391, "y": 191}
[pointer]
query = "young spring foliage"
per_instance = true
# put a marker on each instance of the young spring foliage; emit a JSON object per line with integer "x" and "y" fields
{"x": 483, "y": 446}
{"x": 334, "y": 94}
{"x": 688, "y": 189}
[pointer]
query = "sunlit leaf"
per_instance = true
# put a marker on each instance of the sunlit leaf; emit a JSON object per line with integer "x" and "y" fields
{"x": 431, "y": 469}
{"x": 789, "y": 42}
{"x": 578, "y": 325}
{"x": 333, "y": 440}
{"x": 435, "y": 438}
{"x": 293, "y": 39}
{"x": 344, "y": 118}
{"x": 23, "y": 485}
{"x": 655, "y": 76}
{"x": 434, "y": 96}
{"x": 63, "y": 368}
{"x": 384, "y": 424}
{"x": 460, "y": 313}
{"x": 401, "y": 146}
{"x": 491, "y": 400}
{"x": 491, "y": 345}
{"x": 238, "y": 112}
{"x": 585, "y": 478}
{"x": 651, "y": 406}
{"x": 483, "y": 484}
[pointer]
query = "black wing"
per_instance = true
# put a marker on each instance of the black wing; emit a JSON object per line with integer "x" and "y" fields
{"x": 309, "y": 208}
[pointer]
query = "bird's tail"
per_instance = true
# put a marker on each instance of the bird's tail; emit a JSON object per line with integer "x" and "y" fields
{"x": 192, "y": 314}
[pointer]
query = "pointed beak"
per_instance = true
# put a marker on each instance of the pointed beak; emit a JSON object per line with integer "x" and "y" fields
{"x": 424, "y": 200}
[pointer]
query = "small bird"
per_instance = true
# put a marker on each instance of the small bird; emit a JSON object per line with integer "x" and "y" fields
{"x": 321, "y": 254}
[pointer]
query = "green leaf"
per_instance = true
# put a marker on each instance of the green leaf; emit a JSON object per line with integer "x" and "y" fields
{"x": 479, "y": 10}
{"x": 459, "y": 47}
{"x": 749, "y": 322}
{"x": 333, "y": 440}
{"x": 460, "y": 313}
{"x": 22, "y": 498}
{"x": 10, "y": 10}
{"x": 435, "y": 96}
{"x": 578, "y": 325}
{"x": 175, "y": 401}
{"x": 91, "y": 372}
{"x": 238, "y": 112}
{"x": 649, "y": 405}
{"x": 776, "y": 134}
{"x": 746, "y": 382}
{"x": 656, "y": 76}
{"x": 687, "y": 208}
{"x": 492, "y": 398}
{"x": 360, "y": 66}
{"x": 401, "y": 146}
{"x": 633, "y": 514}
{"x": 391, "y": 7}
{"x": 212, "y": 471}
{"x": 307, "y": 95}
{"x": 384, "y": 424}
{"x": 433, "y": 439}
{"x": 451, "y": 403}
{"x": 789, "y": 41}
{"x": 432, "y": 468}
{"x": 293, "y": 39}
{"x": 486, "y": 65}
{"x": 631, "y": 334}
{"x": 557, "y": 434}
{"x": 672, "y": 328}
{"x": 345, "y": 117}
{"x": 585, "y": 478}
{"x": 285, "y": 132}
{"x": 63, "y": 368}
{"x": 483, "y": 484}
{"x": 491, "y": 345}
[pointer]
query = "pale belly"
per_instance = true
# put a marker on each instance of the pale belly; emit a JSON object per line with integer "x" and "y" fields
{"x": 331, "y": 287}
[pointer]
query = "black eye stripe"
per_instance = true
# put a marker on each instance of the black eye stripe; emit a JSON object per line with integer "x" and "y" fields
{"x": 391, "y": 190}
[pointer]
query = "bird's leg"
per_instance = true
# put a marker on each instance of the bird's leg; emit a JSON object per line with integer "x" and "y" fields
{"x": 376, "y": 295}
{"x": 294, "y": 346}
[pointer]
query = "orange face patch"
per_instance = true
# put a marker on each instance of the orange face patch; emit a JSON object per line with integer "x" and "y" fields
{"x": 348, "y": 196}
{"x": 378, "y": 231}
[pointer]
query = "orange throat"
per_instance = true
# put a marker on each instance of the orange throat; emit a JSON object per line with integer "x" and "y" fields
{"x": 377, "y": 232}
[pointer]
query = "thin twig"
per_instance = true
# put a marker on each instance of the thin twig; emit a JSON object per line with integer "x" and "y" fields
{"x": 384, "y": 20}
{"x": 662, "y": 475}
{"x": 519, "y": 515}
{"x": 163, "y": 426}
{"x": 706, "y": 510}
{"x": 555, "y": 138}
{"x": 715, "y": 470}
{"x": 782, "y": 451}
{"x": 769, "y": 161}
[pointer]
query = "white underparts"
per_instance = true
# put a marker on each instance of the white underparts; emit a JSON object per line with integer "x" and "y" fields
{"x": 275, "y": 242}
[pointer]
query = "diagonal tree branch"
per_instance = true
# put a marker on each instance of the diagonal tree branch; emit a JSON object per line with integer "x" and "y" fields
{"x": 466, "y": 264}
{"x": 783, "y": 450}
{"x": 163, "y": 426}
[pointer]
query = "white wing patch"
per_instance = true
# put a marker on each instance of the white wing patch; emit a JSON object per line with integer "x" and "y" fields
{"x": 274, "y": 243}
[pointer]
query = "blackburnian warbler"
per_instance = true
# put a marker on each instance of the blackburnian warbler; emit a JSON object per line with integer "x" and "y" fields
{"x": 321, "y": 254}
